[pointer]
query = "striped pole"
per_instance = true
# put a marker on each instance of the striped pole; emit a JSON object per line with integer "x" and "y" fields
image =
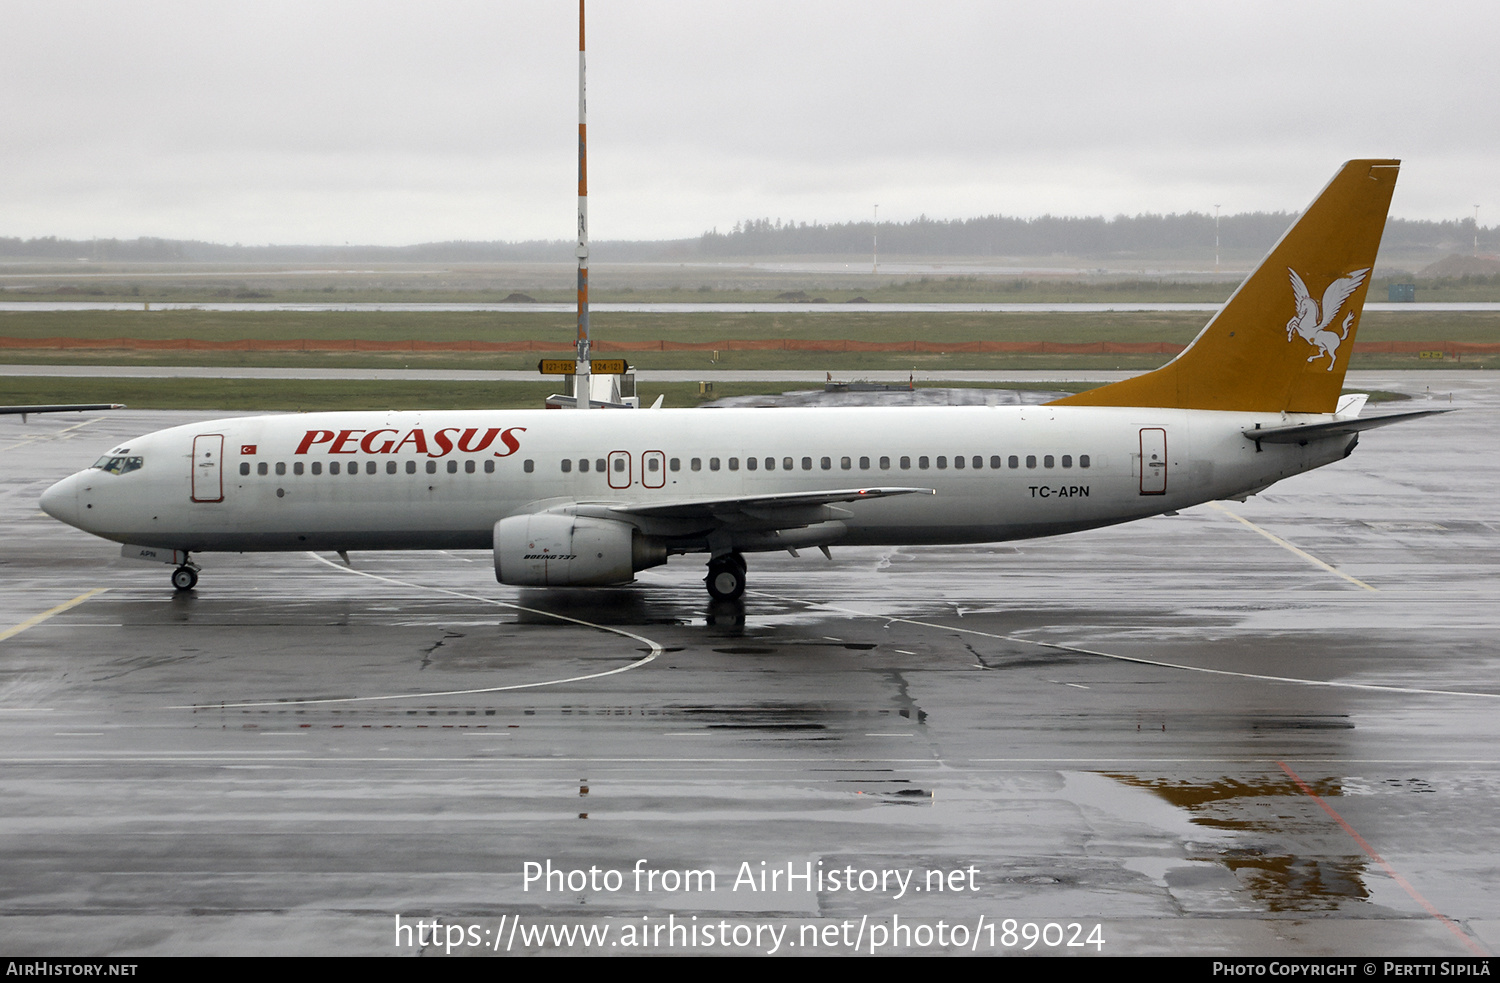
{"x": 581, "y": 374}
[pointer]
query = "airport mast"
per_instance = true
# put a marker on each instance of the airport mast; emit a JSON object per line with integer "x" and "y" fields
{"x": 581, "y": 378}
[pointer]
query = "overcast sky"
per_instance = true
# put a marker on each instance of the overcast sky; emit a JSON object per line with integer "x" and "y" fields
{"x": 391, "y": 122}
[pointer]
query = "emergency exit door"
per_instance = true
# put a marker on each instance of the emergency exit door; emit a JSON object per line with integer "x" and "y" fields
{"x": 619, "y": 469}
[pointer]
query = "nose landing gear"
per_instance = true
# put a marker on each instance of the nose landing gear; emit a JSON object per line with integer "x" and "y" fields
{"x": 726, "y": 576}
{"x": 185, "y": 577}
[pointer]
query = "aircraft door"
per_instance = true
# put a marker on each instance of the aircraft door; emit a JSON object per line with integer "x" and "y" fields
{"x": 619, "y": 469}
{"x": 208, "y": 476}
{"x": 653, "y": 469}
{"x": 1153, "y": 461}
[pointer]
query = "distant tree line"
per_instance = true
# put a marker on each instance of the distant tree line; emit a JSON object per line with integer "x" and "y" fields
{"x": 1001, "y": 235}
{"x": 991, "y": 235}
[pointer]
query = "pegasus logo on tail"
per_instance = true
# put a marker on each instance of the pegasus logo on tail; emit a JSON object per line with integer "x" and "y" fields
{"x": 1314, "y": 329}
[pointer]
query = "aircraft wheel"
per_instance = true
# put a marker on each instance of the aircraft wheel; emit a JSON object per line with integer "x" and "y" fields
{"x": 726, "y": 577}
{"x": 184, "y": 578}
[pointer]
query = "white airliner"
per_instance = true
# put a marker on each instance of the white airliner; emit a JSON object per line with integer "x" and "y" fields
{"x": 582, "y": 498}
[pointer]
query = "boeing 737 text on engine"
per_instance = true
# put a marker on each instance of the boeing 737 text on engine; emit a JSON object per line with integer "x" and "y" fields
{"x": 585, "y": 498}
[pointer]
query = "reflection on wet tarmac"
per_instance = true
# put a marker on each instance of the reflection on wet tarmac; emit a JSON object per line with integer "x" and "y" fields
{"x": 1260, "y": 857}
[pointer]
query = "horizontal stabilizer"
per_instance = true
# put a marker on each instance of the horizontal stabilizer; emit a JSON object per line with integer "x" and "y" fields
{"x": 1338, "y": 428}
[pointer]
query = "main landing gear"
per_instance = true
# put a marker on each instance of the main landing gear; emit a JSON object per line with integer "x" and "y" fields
{"x": 726, "y": 576}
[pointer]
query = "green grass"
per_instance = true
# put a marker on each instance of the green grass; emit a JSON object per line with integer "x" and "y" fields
{"x": 262, "y": 395}
{"x": 658, "y": 283}
{"x": 559, "y": 328}
{"x": 1179, "y": 328}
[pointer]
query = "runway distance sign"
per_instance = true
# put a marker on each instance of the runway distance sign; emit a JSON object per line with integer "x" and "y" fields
{"x": 568, "y": 366}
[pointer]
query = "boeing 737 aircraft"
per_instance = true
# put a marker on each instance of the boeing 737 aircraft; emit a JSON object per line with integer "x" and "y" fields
{"x": 581, "y": 498}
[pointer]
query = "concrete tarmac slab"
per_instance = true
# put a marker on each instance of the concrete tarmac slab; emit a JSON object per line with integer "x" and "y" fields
{"x": 1174, "y": 736}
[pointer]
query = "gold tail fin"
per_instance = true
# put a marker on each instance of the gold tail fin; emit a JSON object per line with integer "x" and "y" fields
{"x": 1282, "y": 341}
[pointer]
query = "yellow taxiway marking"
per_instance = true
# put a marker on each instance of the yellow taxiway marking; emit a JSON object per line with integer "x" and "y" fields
{"x": 1288, "y": 546}
{"x": 49, "y": 436}
{"x": 35, "y": 620}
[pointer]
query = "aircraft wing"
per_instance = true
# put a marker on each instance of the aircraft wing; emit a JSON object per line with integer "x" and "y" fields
{"x": 26, "y": 411}
{"x": 1302, "y": 433}
{"x": 758, "y": 505}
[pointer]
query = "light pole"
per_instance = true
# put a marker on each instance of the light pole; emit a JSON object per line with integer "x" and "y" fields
{"x": 582, "y": 387}
{"x": 875, "y": 243}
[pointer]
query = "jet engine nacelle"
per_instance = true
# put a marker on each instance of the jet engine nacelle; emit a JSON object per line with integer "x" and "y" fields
{"x": 553, "y": 550}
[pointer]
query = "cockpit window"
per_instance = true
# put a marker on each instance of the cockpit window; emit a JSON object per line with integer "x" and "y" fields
{"x": 118, "y": 465}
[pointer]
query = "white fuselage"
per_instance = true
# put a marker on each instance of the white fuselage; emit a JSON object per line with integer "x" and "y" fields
{"x": 442, "y": 479}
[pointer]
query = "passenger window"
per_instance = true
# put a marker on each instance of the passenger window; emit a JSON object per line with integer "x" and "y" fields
{"x": 1015, "y": 462}
{"x": 1031, "y": 460}
{"x": 675, "y": 464}
{"x": 1083, "y": 460}
{"x": 619, "y": 464}
{"x": 978, "y": 462}
{"x": 296, "y": 467}
{"x": 333, "y": 467}
{"x": 317, "y": 467}
{"x": 353, "y": 468}
{"x": 826, "y": 463}
{"x": 453, "y": 467}
{"x": 567, "y": 466}
{"x": 807, "y": 464}
{"x": 751, "y": 464}
{"x": 653, "y": 464}
{"x": 1048, "y": 461}
{"x": 528, "y": 465}
{"x": 905, "y": 464}
{"x": 281, "y": 467}
{"x": 432, "y": 467}
{"x": 713, "y": 464}
{"x": 1067, "y": 460}
{"x": 244, "y": 467}
{"x": 259, "y": 468}
{"x": 734, "y": 464}
{"x": 958, "y": 461}
{"x": 411, "y": 467}
{"x": 599, "y": 464}
{"x": 864, "y": 464}
{"x": 583, "y": 464}
{"x": 369, "y": 467}
{"x": 696, "y": 464}
{"x": 786, "y": 464}
{"x": 390, "y": 467}
{"x": 994, "y": 461}
{"x": 845, "y": 463}
{"x": 469, "y": 467}
{"x": 885, "y": 464}
{"x": 489, "y": 466}
{"x": 942, "y": 463}
{"x": 922, "y": 462}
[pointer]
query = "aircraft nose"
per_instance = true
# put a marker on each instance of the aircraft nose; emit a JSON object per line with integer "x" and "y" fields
{"x": 61, "y": 500}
